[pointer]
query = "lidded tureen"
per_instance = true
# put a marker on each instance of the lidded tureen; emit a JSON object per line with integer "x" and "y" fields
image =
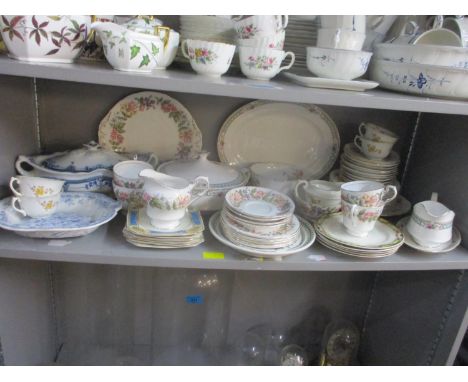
{"x": 222, "y": 178}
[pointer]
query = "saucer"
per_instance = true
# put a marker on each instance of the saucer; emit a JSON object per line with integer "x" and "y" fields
{"x": 328, "y": 83}
{"x": 445, "y": 247}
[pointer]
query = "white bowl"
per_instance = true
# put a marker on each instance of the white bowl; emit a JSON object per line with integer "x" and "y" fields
{"x": 45, "y": 38}
{"x": 336, "y": 63}
{"x": 423, "y": 54}
{"x": 426, "y": 80}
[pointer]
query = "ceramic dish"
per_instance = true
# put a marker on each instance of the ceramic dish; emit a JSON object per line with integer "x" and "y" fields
{"x": 446, "y": 247}
{"x": 306, "y": 239}
{"x": 328, "y": 83}
{"x": 420, "y": 79}
{"x": 350, "y": 151}
{"x": 151, "y": 122}
{"x": 256, "y": 133}
{"x": 423, "y": 54}
{"x": 78, "y": 214}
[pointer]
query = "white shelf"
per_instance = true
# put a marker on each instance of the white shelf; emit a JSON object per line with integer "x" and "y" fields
{"x": 189, "y": 82}
{"x": 107, "y": 246}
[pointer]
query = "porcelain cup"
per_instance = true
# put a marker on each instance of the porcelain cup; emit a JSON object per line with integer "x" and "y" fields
{"x": 373, "y": 149}
{"x": 366, "y": 193}
{"x": 126, "y": 173}
{"x": 318, "y": 197}
{"x": 263, "y": 63}
{"x": 208, "y": 58}
{"x": 441, "y": 36}
{"x": 35, "y": 207}
{"x": 359, "y": 221}
{"x": 350, "y": 22}
{"x": 376, "y": 133}
{"x": 338, "y": 38}
{"x": 260, "y": 25}
{"x": 276, "y": 176}
{"x": 131, "y": 198}
{"x": 274, "y": 41}
{"x": 35, "y": 186}
{"x": 458, "y": 25}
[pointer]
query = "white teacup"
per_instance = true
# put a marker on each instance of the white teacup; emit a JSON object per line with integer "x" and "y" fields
{"x": 338, "y": 38}
{"x": 350, "y": 22}
{"x": 35, "y": 186}
{"x": 459, "y": 25}
{"x": 263, "y": 63}
{"x": 126, "y": 173}
{"x": 260, "y": 25}
{"x": 208, "y": 58}
{"x": 366, "y": 193}
{"x": 373, "y": 149}
{"x": 131, "y": 198}
{"x": 439, "y": 36}
{"x": 376, "y": 133}
{"x": 275, "y": 41}
{"x": 35, "y": 207}
{"x": 359, "y": 221}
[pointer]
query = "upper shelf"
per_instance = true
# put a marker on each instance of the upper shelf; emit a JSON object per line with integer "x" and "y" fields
{"x": 107, "y": 246}
{"x": 189, "y": 82}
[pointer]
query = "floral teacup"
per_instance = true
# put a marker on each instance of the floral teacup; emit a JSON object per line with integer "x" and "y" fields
{"x": 35, "y": 186}
{"x": 260, "y": 25}
{"x": 263, "y": 63}
{"x": 366, "y": 193}
{"x": 376, "y": 133}
{"x": 373, "y": 149}
{"x": 35, "y": 207}
{"x": 359, "y": 221}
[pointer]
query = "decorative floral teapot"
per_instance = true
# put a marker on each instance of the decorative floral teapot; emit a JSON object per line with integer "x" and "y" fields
{"x": 168, "y": 197}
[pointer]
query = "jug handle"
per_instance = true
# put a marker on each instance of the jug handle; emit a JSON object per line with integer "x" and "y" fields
{"x": 434, "y": 196}
{"x": 201, "y": 185}
{"x": 296, "y": 189}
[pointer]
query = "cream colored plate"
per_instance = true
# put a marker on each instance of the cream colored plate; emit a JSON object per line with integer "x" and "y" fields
{"x": 327, "y": 83}
{"x": 151, "y": 122}
{"x": 297, "y": 134}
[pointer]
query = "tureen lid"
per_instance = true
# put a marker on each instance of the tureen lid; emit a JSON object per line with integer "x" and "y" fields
{"x": 143, "y": 24}
{"x": 220, "y": 175}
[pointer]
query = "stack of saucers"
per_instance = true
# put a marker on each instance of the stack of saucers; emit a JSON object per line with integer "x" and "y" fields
{"x": 139, "y": 231}
{"x": 300, "y": 33}
{"x": 384, "y": 240}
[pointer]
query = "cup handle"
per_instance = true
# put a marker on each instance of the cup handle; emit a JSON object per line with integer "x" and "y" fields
{"x": 153, "y": 160}
{"x": 362, "y": 129}
{"x": 15, "y": 200}
{"x": 389, "y": 190}
{"x": 358, "y": 142}
{"x": 201, "y": 185}
{"x": 293, "y": 58}
{"x": 284, "y": 21}
{"x": 438, "y": 22}
{"x": 296, "y": 189}
{"x": 336, "y": 38}
{"x": 410, "y": 24}
{"x": 354, "y": 214}
{"x": 434, "y": 196}
{"x": 12, "y": 187}
{"x": 184, "y": 49}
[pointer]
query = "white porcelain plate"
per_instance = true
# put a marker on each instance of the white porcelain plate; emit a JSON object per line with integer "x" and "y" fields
{"x": 446, "y": 247}
{"x": 151, "y": 122}
{"x": 300, "y": 135}
{"x": 328, "y": 83}
{"x": 78, "y": 214}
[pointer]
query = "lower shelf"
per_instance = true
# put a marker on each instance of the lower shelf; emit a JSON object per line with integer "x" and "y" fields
{"x": 107, "y": 246}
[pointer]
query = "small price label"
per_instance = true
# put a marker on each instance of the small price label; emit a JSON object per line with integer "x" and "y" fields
{"x": 213, "y": 255}
{"x": 194, "y": 299}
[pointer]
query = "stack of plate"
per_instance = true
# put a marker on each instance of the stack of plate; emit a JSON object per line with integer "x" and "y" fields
{"x": 384, "y": 240}
{"x": 260, "y": 222}
{"x": 300, "y": 33}
{"x": 139, "y": 231}
{"x": 355, "y": 166}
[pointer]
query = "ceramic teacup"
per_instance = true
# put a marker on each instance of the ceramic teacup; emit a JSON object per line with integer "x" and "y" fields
{"x": 459, "y": 25}
{"x": 260, "y": 25}
{"x": 131, "y": 198}
{"x": 337, "y": 38}
{"x": 263, "y": 63}
{"x": 35, "y": 207}
{"x": 366, "y": 193}
{"x": 274, "y": 41}
{"x": 208, "y": 58}
{"x": 376, "y": 133}
{"x": 359, "y": 221}
{"x": 126, "y": 173}
{"x": 23, "y": 185}
{"x": 373, "y": 149}
{"x": 318, "y": 197}
{"x": 276, "y": 176}
{"x": 349, "y": 22}
{"x": 441, "y": 36}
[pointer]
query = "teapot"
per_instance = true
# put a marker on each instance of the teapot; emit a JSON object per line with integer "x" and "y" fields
{"x": 431, "y": 223}
{"x": 167, "y": 197}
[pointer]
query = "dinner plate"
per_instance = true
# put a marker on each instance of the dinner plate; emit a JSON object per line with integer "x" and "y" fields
{"x": 351, "y": 152}
{"x": 446, "y": 247}
{"x": 300, "y": 135}
{"x": 151, "y": 122}
{"x": 328, "y": 83}
{"x": 78, "y": 214}
{"x": 307, "y": 238}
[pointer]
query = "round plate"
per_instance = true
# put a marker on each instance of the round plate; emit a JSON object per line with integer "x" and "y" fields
{"x": 151, "y": 122}
{"x": 301, "y": 135}
{"x": 446, "y": 247}
{"x": 351, "y": 151}
{"x": 307, "y": 239}
{"x": 327, "y": 83}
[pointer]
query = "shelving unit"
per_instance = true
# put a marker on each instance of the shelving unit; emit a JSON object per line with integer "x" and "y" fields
{"x": 411, "y": 307}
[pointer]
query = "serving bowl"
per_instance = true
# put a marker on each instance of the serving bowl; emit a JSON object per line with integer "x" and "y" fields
{"x": 337, "y": 63}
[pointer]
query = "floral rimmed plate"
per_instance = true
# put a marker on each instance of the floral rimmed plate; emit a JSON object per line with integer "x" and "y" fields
{"x": 300, "y": 135}
{"x": 151, "y": 122}
{"x": 446, "y": 247}
{"x": 78, "y": 214}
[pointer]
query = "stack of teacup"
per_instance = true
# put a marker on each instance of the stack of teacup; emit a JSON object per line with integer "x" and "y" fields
{"x": 374, "y": 141}
{"x": 34, "y": 196}
{"x": 260, "y": 41}
{"x": 338, "y": 54}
